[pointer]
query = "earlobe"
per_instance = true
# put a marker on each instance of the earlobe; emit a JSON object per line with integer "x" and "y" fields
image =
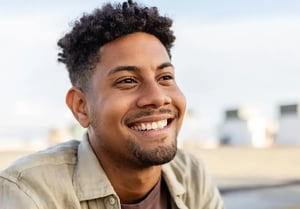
{"x": 76, "y": 101}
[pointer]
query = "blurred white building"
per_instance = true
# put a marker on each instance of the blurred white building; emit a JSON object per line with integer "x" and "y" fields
{"x": 289, "y": 125}
{"x": 246, "y": 126}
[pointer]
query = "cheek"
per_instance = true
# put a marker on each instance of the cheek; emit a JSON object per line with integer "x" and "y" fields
{"x": 179, "y": 101}
{"x": 112, "y": 109}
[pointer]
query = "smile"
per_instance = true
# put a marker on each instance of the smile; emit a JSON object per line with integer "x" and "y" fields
{"x": 147, "y": 126}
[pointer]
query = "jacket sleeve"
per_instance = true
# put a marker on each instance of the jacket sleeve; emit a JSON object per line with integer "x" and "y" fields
{"x": 13, "y": 197}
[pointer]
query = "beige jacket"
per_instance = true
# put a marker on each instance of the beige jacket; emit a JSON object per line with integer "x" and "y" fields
{"x": 68, "y": 176}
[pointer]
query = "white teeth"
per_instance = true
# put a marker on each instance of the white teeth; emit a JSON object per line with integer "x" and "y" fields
{"x": 143, "y": 126}
{"x": 154, "y": 125}
{"x": 162, "y": 123}
{"x": 150, "y": 126}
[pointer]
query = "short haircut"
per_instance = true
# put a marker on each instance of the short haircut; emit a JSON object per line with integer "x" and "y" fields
{"x": 80, "y": 47}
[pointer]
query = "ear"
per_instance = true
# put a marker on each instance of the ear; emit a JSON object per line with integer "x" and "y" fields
{"x": 77, "y": 103}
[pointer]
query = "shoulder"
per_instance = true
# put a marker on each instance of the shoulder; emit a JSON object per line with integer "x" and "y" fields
{"x": 189, "y": 171}
{"x": 64, "y": 154}
{"x": 34, "y": 178}
{"x": 185, "y": 161}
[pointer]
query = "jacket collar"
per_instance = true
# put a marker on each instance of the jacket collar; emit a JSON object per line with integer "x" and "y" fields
{"x": 176, "y": 188}
{"x": 91, "y": 182}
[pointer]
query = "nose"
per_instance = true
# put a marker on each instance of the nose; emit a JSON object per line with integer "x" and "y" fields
{"x": 153, "y": 95}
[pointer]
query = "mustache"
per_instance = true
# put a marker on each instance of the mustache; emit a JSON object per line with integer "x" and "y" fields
{"x": 149, "y": 112}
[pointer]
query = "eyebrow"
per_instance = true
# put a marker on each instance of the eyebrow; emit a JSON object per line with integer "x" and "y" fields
{"x": 122, "y": 68}
{"x": 134, "y": 68}
{"x": 164, "y": 65}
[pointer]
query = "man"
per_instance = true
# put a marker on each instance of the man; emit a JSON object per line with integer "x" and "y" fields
{"x": 124, "y": 92}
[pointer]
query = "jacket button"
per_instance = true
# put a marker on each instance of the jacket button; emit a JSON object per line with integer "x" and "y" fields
{"x": 112, "y": 200}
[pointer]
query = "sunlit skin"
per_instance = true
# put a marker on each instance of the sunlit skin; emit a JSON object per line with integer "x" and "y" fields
{"x": 133, "y": 110}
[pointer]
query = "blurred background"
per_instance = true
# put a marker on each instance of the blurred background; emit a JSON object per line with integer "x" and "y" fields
{"x": 237, "y": 62}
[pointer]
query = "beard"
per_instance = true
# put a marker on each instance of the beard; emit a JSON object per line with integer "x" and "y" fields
{"x": 160, "y": 155}
{"x": 135, "y": 155}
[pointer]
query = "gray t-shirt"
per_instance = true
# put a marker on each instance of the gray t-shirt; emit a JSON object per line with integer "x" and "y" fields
{"x": 158, "y": 198}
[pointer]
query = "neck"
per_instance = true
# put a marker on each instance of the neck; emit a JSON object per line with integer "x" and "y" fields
{"x": 131, "y": 181}
{"x": 134, "y": 187}
{"x": 132, "y": 184}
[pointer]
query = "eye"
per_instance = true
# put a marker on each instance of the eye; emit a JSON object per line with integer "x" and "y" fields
{"x": 127, "y": 80}
{"x": 166, "y": 79}
{"x": 126, "y": 83}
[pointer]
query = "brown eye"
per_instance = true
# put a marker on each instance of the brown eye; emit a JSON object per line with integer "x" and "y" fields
{"x": 126, "y": 83}
{"x": 166, "y": 77}
{"x": 127, "y": 80}
{"x": 166, "y": 80}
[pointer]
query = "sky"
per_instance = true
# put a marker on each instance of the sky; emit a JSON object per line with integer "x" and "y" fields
{"x": 227, "y": 54}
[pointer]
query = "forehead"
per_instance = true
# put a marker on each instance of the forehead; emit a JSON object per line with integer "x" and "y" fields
{"x": 133, "y": 49}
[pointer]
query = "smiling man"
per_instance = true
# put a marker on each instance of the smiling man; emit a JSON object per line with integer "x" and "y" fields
{"x": 133, "y": 108}
{"x": 124, "y": 92}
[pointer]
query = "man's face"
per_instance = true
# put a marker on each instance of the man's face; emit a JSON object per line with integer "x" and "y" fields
{"x": 135, "y": 107}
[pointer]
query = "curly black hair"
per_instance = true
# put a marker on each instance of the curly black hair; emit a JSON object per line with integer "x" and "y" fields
{"x": 81, "y": 45}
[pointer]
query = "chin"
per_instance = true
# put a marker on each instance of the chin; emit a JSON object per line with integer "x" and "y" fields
{"x": 156, "y": 156}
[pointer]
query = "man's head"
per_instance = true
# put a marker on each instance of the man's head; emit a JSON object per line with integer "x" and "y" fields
{"x": 125, "y": 91}
{"x": 80, "y": 47}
